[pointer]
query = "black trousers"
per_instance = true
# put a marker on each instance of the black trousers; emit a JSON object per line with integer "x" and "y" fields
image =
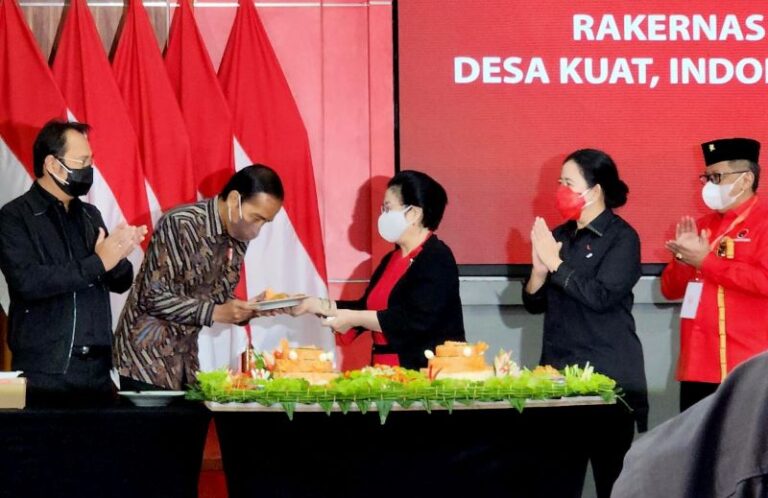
{"x": 86, "y": 381}
{"x": 693, "y": 392}
{"x": 571, "y": 439}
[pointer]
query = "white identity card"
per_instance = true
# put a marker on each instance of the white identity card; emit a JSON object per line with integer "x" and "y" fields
{"x": 691, "y": 300}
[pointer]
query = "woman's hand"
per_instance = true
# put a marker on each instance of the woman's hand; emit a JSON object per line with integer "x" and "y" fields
{"x": 343, "y": 321}
{"x": 539, "y": 271}
{"x": 539, "y": 268}
{"x": 308, "y": 305}
{"x": 317, "y": 306}
{"x": 545, "y": 245}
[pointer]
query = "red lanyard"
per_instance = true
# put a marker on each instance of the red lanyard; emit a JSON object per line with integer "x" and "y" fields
{"x": 737, "y": 221}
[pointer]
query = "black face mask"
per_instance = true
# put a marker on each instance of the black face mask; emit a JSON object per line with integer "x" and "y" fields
{"x": 78, "y": 181}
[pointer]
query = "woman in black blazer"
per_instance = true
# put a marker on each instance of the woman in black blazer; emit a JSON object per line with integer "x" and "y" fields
{"x": 412, "y": 302}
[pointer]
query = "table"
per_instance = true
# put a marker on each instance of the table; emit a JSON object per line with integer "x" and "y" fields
{"x": 490, "y": 450}
{"x": 116, "y": 450}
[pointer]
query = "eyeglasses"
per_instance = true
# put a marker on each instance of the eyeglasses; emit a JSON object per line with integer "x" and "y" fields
{"x": 86, "y": 163}
{"x": 385, "y": 208}
{"x": 716, "y": 178}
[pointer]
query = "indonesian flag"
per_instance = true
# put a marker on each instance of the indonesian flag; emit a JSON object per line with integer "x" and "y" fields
{"x": 203, "y": 106}
{"x": 29, "y": 98}
{"x": 85, "y": 77}
{"x": 209, "y": 123}
{"x": 288, "y": 254}
{"x": 96, "y": 100}
{"x": 143, "y": 82}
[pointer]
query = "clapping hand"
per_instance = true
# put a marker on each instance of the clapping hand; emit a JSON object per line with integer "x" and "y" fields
{"x": 546, "y": 250}
{"x": 539, "y": 268}
{"x": 689, "y": 247}
{"x": 119, "y": 244}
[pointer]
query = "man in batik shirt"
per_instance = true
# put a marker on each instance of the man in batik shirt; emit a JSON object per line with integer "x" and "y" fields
{"x": 188, "y": 279}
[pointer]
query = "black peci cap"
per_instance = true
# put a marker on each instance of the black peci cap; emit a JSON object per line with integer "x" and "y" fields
{"x": 730, "y": 149}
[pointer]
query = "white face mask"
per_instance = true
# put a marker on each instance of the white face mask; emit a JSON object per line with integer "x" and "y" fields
{"x": 240, "y": 229}
{"x": 392, "y": 224}
{"x": 718, "y": 197}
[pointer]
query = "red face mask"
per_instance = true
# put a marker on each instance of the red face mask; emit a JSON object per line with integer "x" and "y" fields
{"x": 569, "y": 204}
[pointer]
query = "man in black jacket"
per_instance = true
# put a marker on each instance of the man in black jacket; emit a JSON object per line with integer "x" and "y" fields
{"x": 60, "y": 265}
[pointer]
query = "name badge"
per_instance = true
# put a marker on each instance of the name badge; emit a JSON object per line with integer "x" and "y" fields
{"x": 691, "y": 300}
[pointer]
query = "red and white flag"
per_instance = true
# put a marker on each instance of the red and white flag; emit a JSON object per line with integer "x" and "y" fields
{"x": 288, "y": 255}
{"x": 203, "y": 106}
{"x": 209, "y": 123}
{"x": 163, "y": 140}
{"x": 29, "y": 98}
{"x": 84, "y": 76}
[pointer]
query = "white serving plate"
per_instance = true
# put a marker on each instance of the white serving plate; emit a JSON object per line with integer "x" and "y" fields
{"x": 151, "y": 398}
{"x": 276, "y": 304}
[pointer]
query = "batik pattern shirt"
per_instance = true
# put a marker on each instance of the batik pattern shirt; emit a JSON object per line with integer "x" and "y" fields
{"x": 191, "y": 265}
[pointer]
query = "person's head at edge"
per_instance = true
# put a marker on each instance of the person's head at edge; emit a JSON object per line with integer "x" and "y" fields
{"x": 252, "y": 197}
{"x": 732, "y": 172}
{"x": 62, "y": 159}
{"x": 413, "y": 205}
{"x": 589, "y": 182}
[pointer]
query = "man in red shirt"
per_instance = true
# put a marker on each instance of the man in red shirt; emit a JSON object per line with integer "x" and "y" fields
{"x": 720, "y": 267}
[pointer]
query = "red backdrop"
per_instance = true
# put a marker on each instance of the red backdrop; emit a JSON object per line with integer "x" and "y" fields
{"x": 498, "y": 147}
